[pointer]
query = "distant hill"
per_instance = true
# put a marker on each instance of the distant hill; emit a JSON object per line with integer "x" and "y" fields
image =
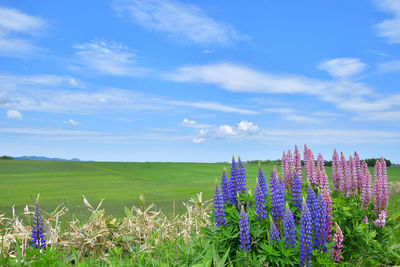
{"x": 43, "y": 158}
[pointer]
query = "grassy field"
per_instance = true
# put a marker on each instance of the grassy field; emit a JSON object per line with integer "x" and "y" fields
{"x": 120, "y": 184}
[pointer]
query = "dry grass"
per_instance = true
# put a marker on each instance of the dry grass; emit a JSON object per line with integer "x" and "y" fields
{"x": 141, "y": 229}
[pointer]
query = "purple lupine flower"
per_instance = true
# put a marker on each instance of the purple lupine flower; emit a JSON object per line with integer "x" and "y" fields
{"x": 38, "y": 240}
{"x": 277, "y": 192}
{"x": 305, "y": 236}
{"x": 328, "y": 202}
{"x": 261, "y": 180}
{"x": 353, "y": 176}
{"x": 244, "y": 231}
{"x": 381, "y": 220}
{"x": 226, "y": 187}
{"x": 233, "y": 181}
{"x": 297, "y": 191}
{"x": 349, "y": 179}
{"x": 289, "y": 229}
{"x": 259, "y": 197}
{"x": 241, "y": 179}
{"x": 273, "y": 232}
{"x": 335, "y": 170}
{"x": 322, "y": 233}
{"x": 219, "y": 210}
{"x": 336, "y": 251}
{"x": 365, "y": 186}
{"x": 297, "y": 161}
{"x": 311, "y": 200}
{"x": 316, "y": 220}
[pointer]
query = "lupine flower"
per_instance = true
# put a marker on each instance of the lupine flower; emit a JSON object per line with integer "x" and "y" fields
{"x": 297, "y": 161}
{"x": 277, "y": 192}
{"x": 316, "y": 219}
{"x": 297, "y": 191}
{"x": 38, "y": 240}
{"x": 335, "y": 170}
{"x": 381, "y": 196}
{"x": 322, "y": 232}
{"x": 233, "y": 181}
{"x": 321, "y": 176}
{"x": 342, "y": 174}
{"x": 226, "y": 187}
{"x": 259, "y": 197}
{"x": 305, "y": 158}
{"x": 311, "y": 200}
{"x": 305, "y": 236}
{"x": 365, "y": 220}
{"x": 310, "y": 171}
{"x": 360, "y": 175}
{"x": 219, "y": 210}
{"x": 241, "y": 179}
{"x": 349, "y": 179}
{"x": 336, "y": 251}
{"x": 353, "y": 176}
{"x": 261, "y": 180}
{"x": 244, "y": 231}
{"x": 289, "y": 168}
{"x": 365, "y": 186}
{"x": 289, "y": 229}
{"x": 273, "y": 232}
{"x": 283, "y": 165}
{"x": 328, "y": 202}
{"x": 381, "y": 221}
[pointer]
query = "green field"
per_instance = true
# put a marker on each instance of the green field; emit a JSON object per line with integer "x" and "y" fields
{"x": 120, "y": 184}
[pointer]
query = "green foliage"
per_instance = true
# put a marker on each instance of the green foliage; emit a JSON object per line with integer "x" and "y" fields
{"x": 6, "y": 157}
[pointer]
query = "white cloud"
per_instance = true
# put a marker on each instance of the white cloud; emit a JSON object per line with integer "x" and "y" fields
{"x": 224, "y": 130}
{"x": 390, "y": 66}
{"x": 72, "y": 122}
{"x": 14, "y": 25}
{"x": 179, "y": 20}
{"x": 342, "y": 67}
{"x": 346, "y": 95}
{"x": 187, "y": 122}
{"x": 49, "y": 93}
{"x": 213, "y": 106}
{"x": 390, "y": 28}
{"x": 198, "y": 140}
{"x": 247, "y": 127}
{"x": 108, "y": 58}
{"x": 14, "y": 114}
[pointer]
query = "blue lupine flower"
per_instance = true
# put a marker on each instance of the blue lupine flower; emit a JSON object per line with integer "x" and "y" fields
{"x": 241, "y": 178}
{"x": 261, "y": 180}
{"x": 259, "y": 197}
{"x": 38, "y": 240}
{"x": 311, "y": 199}
{"x": 226, "y": 187}
{"x": 322, "y": 237}
{"x": 273, "y": 232}
{"x": 219, "y": 210}
{"x": 305, "y": 236}
{"x": 289, "y": 229}
{"x": 277, "y": 192}
{"x": 297, "y": 192}
{"x": 233, "y": 181}
{"x": 244, "y": 231}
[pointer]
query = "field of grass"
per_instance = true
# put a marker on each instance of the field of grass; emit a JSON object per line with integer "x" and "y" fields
{"x": 120, "y": 184}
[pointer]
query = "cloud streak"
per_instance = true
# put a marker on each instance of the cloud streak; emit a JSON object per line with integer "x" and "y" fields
{"x": 184, "y": 22}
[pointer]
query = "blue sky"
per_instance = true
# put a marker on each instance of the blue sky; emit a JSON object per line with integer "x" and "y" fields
{"x": 130, "y": 80}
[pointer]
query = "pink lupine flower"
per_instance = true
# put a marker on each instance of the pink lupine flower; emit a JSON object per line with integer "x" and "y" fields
{"x": 359, "y": 172}
{"x": 283, "y": 165}
{"x": 289, "y": 168}
{"x": 365, "y": 186}
{"x": 335, "y": 170}
{"x": 337, "y": 248}
{"x": 350, "y": 177}
{"x": 328, "y": 203}
{"x": 381, "y": 221}
{"x": 342, "y": 174}
{"x": 297, "y": 161}
{"x": 365, "y": 220}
